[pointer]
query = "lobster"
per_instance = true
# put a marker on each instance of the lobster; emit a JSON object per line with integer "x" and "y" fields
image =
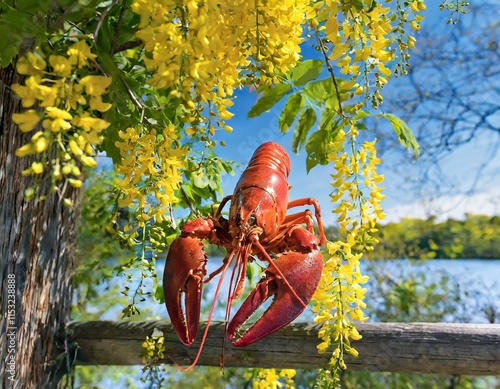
{"x": 257, "y": 226}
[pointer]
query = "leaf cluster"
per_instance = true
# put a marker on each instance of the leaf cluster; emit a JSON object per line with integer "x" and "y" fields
{"x": 475, "y": 237}
{"x": 306, "y": 98}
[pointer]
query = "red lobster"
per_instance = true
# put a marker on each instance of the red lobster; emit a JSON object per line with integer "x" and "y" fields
{"x": 258, "y": 225}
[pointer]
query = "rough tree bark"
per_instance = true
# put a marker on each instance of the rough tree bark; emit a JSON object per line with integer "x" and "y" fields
{"x": 36, "y": 260}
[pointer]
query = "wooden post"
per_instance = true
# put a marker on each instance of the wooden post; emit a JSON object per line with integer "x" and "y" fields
{"x": 452, "y": 348}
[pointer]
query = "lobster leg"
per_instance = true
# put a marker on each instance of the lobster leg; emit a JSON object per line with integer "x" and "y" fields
{"x": 317, "y": 213}
{"x": 298, "y": 270}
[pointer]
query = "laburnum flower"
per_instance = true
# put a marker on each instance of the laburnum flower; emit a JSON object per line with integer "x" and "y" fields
{"x": 28, "y": 93}
{"x": 75, "y": 96}
{"x": 61, "y": 65}
{"x": 96, "y": 103}
{"x": 95, "y": 85}
{"x": 88, "y": 122}
{"x": 58, "y": 119}
{"x": 47, "y": 95}
{"x": 35, "y": 168}
{"x": 26, "y": 120}
{"x": 267, "y": 378}
{"x": 80, "y": 54}
{"x": 31, "y": 65}
{"x": 39, "y": 143}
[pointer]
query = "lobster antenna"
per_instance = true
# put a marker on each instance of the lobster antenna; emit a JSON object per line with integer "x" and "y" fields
{"x": 255, "y": 241}
{"x": 238, "y": 270}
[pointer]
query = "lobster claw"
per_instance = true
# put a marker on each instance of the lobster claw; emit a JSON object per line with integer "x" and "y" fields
{"x": 183, "y": 274}
{"x": 303, "y": 272}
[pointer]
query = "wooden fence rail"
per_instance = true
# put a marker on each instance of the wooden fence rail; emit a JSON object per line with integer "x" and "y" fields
{"x": 472, "y": 349}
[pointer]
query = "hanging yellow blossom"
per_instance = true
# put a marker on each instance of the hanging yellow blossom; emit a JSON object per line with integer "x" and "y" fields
{"x": 149, "y": 167}
{"x": 58, "y": 93}
{"x": 80, "y": 54}
{"x": 187, "y": 44}
{"x": 362, "y": 38}
{"x": 27, "y": 120}
{"x": 340, "y": 293}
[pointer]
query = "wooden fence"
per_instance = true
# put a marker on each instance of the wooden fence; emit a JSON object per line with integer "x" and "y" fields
{"x": 471, "y": 349}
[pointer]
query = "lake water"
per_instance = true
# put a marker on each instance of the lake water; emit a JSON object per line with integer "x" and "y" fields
{"x": 479, "y": 272}
{"x": 473, "y": 275}
{"x": 481, "y": 278}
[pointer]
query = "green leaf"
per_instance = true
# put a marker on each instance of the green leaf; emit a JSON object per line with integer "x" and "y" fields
{"x": 358, "y": 4}
{"x": 306, "y": 71}
{"x": 317, "y": 149}
{"x": 200, "y": 179}
{"x": 268, "y": 99}
{"x": 320, "y": 91}
{"x": 15, "y": 25}
{"x": 332, "y": 102}
{"x": 361, "y": 115}
{"x": 405, "y": 135}
{"x": 317, "y": 144}
{"x": 327, "y": 116}
{"x": 290, "y": 111}
{"x": 108, "y": 145}
{"x": 32, "y": 6}
{"x": 9, "y": 48}
{"x": 159, "y": 295}
{"x": 306, "y": 121}
{"x": 105, "y": 36}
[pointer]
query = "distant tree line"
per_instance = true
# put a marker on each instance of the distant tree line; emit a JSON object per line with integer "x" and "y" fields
{"x": 474, "y": 237}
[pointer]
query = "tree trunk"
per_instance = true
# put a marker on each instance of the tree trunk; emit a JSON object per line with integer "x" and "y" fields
{"x": 37, "y": 252}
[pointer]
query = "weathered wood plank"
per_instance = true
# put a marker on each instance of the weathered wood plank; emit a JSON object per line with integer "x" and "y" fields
{"x": 390, "y": 347}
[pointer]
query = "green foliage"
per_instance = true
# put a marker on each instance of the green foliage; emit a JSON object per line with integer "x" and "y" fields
{"x": 310, "y": 100}
{"x": 268, "y": 99}
{"x": 17, "y": 21}
{"x": 397, "y": 293}
{"x": 203, "y": 174}
{"x": 292, "y": 107}
{"x": 306, "y": 71}
{"x": 474, "y": 237}
{"x": 402, "y": 292}
{"x": 100, "y": 253}
{"x": 456, "y": 7}
{"x": 405, "y": 135}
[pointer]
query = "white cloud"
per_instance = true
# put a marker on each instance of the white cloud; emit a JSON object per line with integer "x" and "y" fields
{"x": 447, "y": 207}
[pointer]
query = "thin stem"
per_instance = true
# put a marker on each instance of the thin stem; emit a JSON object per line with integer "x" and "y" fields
{"x": 101, "y": 19}
{"x": 330, "y": 70}
{"x": 117, "y": 29}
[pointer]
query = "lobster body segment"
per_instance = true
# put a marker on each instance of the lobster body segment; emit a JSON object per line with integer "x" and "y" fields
{"x": 258, "y": 225}
{"x": 262, "y": 192}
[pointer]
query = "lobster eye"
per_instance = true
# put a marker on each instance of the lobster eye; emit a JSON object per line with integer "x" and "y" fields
{"x": 252, "y": 220}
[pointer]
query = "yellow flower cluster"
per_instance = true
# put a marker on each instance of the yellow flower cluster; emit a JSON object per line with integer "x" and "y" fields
{"x": 361, "y": 37}
{"x": 64, "y": 104}
{"x": 151, "y": 164}
{"x": 356, "y": 174}
{"x": 200, "y": 51}
{"x": 154, "y": 347}
{"x": 270, "y": 379}
{"x": 358, "y": 197}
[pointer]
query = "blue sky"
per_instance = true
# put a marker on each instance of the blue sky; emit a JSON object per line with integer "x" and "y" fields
{"x": 460, "y": 168}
